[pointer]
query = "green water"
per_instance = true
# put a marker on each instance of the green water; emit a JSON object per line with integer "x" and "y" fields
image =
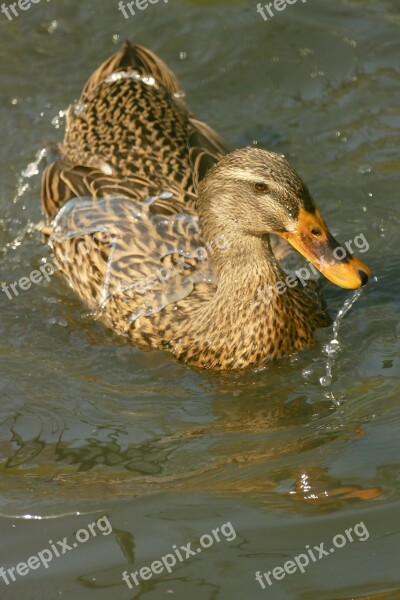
{"x": 91, "y": 426}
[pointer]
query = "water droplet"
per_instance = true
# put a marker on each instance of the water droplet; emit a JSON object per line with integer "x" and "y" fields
{"x": 113, "y": 77}
{"x": 79, "y": 108}
{"x": 31, "y": 169}
{"x": 325, "y": 380}
{"x": 52, "y": 27}
{"x": 180, "y": 94}
{"x": 332, "y": 348}
{"x": 307, "y": 373}
{"x": 58, "y": 321}
{"x": 106, "y": 168}
{"x": 330, "y": 396}
{"x": 148, "y": 80}
{"x": 364, "y": 170}
{"x": 305, "y": 51}
{"x": 58, "y": 119}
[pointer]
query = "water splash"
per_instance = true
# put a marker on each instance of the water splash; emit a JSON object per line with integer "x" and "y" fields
{"x": 79, "y": 108}
{"x": 32, "y": 169}
{"x": 118, "y": 75}
{"x": 58, "y": 120}
{"x": 180, "y": 95}
{"x": 23, "y": 186}
{"x": 332, "y": 349}
{"x": 166, "y": 278}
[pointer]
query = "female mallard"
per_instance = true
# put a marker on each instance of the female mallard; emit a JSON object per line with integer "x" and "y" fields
{"x": 167, "y": 237}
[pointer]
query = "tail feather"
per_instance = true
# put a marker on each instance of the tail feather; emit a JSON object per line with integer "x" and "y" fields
{"x": 133, "y": 57}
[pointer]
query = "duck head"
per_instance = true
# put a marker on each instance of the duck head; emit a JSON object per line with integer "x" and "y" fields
{"x": 253, "y": 192}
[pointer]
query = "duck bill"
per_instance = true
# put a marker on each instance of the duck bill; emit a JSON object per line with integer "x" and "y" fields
{"x": 313, "y": 240}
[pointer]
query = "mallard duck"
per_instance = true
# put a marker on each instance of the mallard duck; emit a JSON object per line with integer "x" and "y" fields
{"x": 167, "y": 236}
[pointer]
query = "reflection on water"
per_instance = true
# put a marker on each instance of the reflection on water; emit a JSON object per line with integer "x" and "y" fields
{"x": 256, "y": 438}
{"x": 89, "y": 423}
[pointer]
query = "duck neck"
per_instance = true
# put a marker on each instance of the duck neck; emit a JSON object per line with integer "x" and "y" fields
{"x": 245, "y": 321}
{"x": 252, "y": 285}
{"x": 244, "y": 263}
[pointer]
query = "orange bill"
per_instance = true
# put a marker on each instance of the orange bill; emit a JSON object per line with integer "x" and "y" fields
{"x": 312, "y": 239}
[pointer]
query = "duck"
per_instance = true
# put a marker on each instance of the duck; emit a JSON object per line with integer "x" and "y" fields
{"x": 172, "y": 239}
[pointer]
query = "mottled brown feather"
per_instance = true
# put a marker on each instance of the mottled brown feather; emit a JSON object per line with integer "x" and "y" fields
{"x": 134, "y": 168}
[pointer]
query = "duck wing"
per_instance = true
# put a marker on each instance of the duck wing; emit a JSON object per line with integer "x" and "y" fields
{"x": 121, "y": 252}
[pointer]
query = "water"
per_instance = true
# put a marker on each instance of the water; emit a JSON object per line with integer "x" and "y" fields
{"x": 91, "y": 426}
{"x": 332, "y": 348}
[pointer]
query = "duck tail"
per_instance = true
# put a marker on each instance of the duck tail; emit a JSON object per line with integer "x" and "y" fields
{"x": 134, "y": 57}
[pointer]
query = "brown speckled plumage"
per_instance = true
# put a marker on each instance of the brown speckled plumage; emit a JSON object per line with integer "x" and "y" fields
{"x": 158, "y": 182}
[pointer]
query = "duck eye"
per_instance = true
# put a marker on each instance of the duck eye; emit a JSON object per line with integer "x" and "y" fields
{"x": 261, "y": 187}
{"x": 316, "y": 232}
